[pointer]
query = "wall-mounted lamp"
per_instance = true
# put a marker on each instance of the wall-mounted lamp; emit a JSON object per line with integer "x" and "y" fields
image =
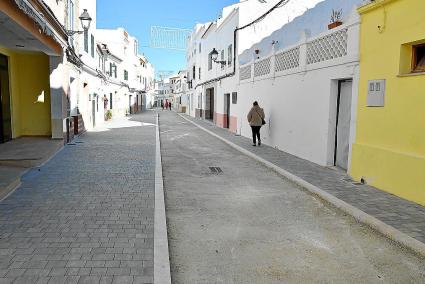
{"x": 85, "y": 20}
{"x": 214, "y": 57}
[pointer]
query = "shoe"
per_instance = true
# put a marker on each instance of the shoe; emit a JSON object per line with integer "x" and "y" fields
{"x": 259, "y": 142}
{"x": 254, "y": 144}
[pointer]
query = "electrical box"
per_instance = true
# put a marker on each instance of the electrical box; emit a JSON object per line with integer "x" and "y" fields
{"x": 376, "y": 93}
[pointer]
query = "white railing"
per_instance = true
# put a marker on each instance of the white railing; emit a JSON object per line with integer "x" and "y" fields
{"x": 328, "y": 49}
{"x": 262, "y": 67}
{"x": 288, "y": 59}
{"x": 245, "y": 73}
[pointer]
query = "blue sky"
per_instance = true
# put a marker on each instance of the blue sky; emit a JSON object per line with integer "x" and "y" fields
{"x": 137, "y": 16}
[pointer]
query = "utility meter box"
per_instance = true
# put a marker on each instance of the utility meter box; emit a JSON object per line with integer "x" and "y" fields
{"x": 376, "y": 93}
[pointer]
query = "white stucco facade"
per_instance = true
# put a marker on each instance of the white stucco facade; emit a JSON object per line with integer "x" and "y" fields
{"x": 289, "y": 71}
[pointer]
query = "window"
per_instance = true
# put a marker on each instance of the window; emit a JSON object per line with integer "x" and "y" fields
{"x": 115, "y": 71}
{"x": 194, "y": 72}
{"x": 230, "y": 55}
{"x": 126, "y": 75}
{"x": 209, "y": 61}
{"x": 110, "y": 69}
{"x": 71, "y": 19}
{"x": 234, "y": 98}
{"x": 222, "y": 60}
{"x": 418, "y": 64}
{"x": 200, "y": 48}
{"x": 86, "y": 41}
{"x": 70, "y": 15}
{"x": 136, "y": 48}
{"x": 92, "y": 46}
{"x": 199, "y": 73}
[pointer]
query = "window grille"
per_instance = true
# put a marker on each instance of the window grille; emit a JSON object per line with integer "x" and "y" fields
{"x": 328, "y": 47}
{"x": 230, "y": 55}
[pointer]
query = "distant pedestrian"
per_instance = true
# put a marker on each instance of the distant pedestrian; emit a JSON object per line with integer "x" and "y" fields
{"x": 162, "y": 104}
{"x": 256, "y": 120}
{"x": 166, "y": 104}
{"x": 169, "y": 105}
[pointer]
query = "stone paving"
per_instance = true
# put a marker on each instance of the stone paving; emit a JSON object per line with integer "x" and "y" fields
{"x": 247, "y": 224}
{"x": 87, "y": 215}
{"x": 406, "y": 216}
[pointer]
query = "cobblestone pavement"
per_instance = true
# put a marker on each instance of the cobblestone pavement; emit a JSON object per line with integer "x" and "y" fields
{"x": 243, "y": 223}
{"x": 87, "y": 215}
{"x": 406, "y": 216}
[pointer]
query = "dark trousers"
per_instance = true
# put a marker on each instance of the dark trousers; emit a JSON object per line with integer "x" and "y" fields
{"x": 255, "y": 133}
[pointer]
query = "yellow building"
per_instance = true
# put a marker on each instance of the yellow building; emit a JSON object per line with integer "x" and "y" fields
{"x": 29, "y": 46}
{"x": 389, "y": 152}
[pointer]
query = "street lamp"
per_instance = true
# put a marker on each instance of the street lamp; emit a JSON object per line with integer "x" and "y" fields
{"x": 214, "y": 57}
{"x": 85, "y": 20}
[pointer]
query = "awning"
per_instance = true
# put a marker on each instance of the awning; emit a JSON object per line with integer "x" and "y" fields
{"x": 29, "y": 10}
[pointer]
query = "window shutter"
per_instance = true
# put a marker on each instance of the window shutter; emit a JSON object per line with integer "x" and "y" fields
{"x": 92, "y": 46}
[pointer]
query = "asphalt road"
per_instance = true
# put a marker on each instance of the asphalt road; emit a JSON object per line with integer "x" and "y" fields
{"x": 246, "y": 224}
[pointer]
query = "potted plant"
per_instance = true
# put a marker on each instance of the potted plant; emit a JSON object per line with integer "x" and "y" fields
{"x": 108, "y": 114}
{"x": 336, "y": 17}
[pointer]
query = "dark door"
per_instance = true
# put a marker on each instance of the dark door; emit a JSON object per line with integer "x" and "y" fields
{"x": 212, "y": 104}
{"x": 342, "y": 139}
{"x": 5, "y": 114}
{"x": 129, "y": 104}
{"x": 209, "y": 104}
{"x": 227, "y": 110}
{"x": 93, "y": 112}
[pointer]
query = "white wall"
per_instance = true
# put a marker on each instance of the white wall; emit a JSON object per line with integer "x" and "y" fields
{"x": 300, "y": 102}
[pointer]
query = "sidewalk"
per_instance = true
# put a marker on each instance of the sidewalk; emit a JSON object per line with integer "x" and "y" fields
{"x": 87, "y": 215}
{"x": 18, "y": 155}
{"x": 403, "y": 215}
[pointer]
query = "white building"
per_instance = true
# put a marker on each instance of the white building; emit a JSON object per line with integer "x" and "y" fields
{"x": 304, "y": 76}
{"x": 129, "y": 73}
{"x": 181, "y": 96}
{"x": 212, "y": 85}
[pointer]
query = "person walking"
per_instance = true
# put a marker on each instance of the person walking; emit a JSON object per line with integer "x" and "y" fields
{"x": 169, "y": 105}
{"x": 256, "y": 120}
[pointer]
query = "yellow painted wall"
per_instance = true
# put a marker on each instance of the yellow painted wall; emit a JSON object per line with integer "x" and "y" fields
{"x": 390, "y": 146}
{"x": 29, "y": 77}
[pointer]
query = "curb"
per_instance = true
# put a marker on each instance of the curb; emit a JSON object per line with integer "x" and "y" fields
{"x": 14, "y": 185}
{"x": 388, "y": 231}
{"x": 161, "y": 258}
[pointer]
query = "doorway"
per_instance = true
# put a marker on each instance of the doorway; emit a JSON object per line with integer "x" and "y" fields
{"x": 343, "y": 121}
{"x": 226, "y": 110}
{"x": 5, "y": 113}
{"x": 209, "y": 104}
{"x": 129, "y": 104}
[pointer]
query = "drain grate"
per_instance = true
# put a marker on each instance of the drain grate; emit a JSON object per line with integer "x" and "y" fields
{"x": 216, "y": 170}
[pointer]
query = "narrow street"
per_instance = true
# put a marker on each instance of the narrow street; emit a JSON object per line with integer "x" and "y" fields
{"x": 87, "y": 215}
{"x": 243, "y": 223}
